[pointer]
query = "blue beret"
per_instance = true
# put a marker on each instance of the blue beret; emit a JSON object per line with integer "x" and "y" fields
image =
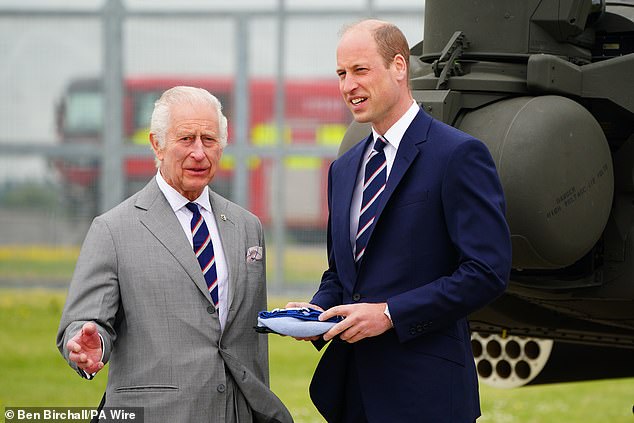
{"x": 297, "y": 322}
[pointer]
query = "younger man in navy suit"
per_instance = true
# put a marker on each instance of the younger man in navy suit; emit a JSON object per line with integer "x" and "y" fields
{"x": 417, "y": 240}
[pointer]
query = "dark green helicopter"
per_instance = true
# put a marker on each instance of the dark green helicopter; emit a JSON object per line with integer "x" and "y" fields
{"x": 548, "y": 86}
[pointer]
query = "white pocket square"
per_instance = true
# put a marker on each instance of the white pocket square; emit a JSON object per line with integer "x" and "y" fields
{"x": 254, "y": 254}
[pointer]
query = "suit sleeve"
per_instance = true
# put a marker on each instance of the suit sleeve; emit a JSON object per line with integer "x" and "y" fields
{"x": 474, "y": 212}
{"x": 93, "y": 295}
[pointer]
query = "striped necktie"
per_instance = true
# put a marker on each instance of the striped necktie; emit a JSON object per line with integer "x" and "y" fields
{"x": 373, "y": 187}
{"x": 204, "y": 250}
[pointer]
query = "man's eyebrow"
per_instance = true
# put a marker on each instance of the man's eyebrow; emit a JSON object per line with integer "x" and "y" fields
{"x": 181, "y": 132}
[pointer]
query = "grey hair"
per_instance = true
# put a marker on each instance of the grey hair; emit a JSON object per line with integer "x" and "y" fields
{"x": 184, "y": 95}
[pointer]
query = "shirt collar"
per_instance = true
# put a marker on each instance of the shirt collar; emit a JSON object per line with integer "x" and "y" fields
{"x": 395, "y": 133}
{"x": 176, "y": 199}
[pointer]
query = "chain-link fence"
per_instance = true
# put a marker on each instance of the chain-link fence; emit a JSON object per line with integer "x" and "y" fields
{"x": 78, "y": 83}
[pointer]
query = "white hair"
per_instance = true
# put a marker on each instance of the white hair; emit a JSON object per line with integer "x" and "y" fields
{"x": 184, "y": 95}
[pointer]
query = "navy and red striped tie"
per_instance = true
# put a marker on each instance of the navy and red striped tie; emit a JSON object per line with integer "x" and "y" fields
{"x": 373, "y": 186}
{"x": 204, "y": 250}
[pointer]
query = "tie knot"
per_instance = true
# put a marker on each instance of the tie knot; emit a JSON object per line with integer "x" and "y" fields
{"x": 380, "y": 144}
{"x": 193, "y": 207}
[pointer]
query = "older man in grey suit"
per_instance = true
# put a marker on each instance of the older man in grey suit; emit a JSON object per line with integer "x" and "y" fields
{"x": 168, "y": 285}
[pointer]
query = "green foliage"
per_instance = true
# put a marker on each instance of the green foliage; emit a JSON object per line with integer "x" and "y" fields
{"x": 36, "y": 264}
{"x": 54, "y": 264}
{"x": 32, "y": 373}
{"x": 29, "y": 195}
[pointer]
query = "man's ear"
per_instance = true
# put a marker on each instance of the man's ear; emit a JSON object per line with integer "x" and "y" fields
{"x": 158, "y": 151}
{"x": 400, "y": 66}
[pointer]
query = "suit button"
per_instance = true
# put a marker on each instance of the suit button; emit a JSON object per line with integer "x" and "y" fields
{"x": 211, "y": 309}
{"x": 412, "y": 331}
{"x": 221, "y": 388}
{"x": 356, "y": 297}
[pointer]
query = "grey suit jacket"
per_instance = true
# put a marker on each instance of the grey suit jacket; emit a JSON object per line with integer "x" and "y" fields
{"x": 137, "y": 278}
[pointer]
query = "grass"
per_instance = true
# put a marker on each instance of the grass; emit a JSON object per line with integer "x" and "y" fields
{"x": 32, "y": 373}
{"x": 606, "y": 401}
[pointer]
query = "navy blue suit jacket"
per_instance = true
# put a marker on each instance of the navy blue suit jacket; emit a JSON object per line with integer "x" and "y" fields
{"x": 439, "y": 250}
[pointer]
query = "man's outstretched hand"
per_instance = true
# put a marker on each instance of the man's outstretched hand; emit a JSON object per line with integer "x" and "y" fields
{"x": 85, "y": 349}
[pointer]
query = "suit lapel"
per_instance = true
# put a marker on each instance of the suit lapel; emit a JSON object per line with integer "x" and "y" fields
{"x": 407, "y": 151}
{"x": 227, "y": 231}
{"x": 161, "y": 221}
{"x": 344, "y": 180}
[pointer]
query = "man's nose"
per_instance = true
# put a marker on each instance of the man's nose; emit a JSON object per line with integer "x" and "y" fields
{"x": 348, "y": 84}
{"x": 198, "y": 151}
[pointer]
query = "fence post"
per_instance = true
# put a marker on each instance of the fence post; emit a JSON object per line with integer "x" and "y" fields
{"x": 112, "y": 178}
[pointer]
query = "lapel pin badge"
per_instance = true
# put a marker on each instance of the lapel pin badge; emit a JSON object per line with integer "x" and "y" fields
{"x": 223, "y": 217}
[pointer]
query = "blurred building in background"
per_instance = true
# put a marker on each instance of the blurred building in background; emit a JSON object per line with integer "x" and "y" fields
{"x": 79, "y": 80}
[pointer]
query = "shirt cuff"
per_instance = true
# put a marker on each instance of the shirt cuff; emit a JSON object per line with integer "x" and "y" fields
{"x": 387, "y": 313}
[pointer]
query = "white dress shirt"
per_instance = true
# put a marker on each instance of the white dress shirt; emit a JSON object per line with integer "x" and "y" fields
{"x": 178, "y": 202}
{"x": 393, "y": 137}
